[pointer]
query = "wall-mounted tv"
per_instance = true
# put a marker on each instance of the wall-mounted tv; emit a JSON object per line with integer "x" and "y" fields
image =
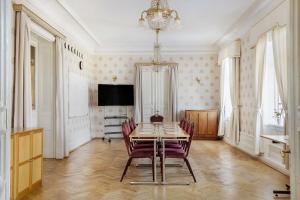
{"x": 115, "y": 95}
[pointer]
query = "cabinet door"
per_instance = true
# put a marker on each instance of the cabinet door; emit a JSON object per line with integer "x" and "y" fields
{"x": 193, "y": 117}
{"x": 212, "y": 124}
{"x": 37, "y": 144}
{"x": 202, "y": 123}
{"x": 36, "y": 170}
{"x": 23, "y": 163}
{"x": 37, "y": 152}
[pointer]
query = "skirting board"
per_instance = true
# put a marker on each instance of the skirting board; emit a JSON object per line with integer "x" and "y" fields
{"x": 246, "y": 145}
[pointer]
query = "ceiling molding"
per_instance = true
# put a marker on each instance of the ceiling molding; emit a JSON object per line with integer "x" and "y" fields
{"x": 78, "y": 20}
{"x": 255, "y": 13}
{"x": 173, "y": 51}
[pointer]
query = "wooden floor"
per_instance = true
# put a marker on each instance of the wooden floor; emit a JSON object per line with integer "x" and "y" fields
{"x": 93, "y": 172}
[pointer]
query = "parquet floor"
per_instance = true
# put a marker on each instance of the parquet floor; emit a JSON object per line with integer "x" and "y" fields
{"x": 93, "y": 171}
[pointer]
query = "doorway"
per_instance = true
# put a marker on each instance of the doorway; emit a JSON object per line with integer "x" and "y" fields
{"x": 43, "y": 89}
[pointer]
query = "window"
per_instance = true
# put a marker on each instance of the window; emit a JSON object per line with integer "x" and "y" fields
{"x": 273, "y": 113}
{"x": 227, "y": 98}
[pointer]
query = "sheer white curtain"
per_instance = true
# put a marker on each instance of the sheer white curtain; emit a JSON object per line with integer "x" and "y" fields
{"x": 234, "y": 79}
{"x": 173, "y": 93}
{"x": 229, "y": 59}
{"x": 221, "y": 131}
{"x": 259, "y": 76}
{"x": 279, "y": 39}
{"x": 22, "y": 105}
{"x": 138, "y": 93}
{"x": 61, "y": 138}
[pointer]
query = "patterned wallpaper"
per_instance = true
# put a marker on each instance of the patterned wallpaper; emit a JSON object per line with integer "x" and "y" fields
{"x": 192, "y": 94}
{"x": 78, "y": 128}
{"x": 247, "y": 87}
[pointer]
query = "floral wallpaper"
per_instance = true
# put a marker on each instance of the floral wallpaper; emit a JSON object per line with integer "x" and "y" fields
{"x": 247, "y": 87}
{"x": 198, "y": 82}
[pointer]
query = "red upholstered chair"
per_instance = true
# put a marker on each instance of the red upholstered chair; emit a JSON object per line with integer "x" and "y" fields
{"x": 132, "y": 124}
{"x": 156, "y": 118}
{"x": 181, "y": 153}
{"x": 134, "y": 151}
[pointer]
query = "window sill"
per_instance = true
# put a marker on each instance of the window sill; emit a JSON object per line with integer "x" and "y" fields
{"x": 273, "y": 129}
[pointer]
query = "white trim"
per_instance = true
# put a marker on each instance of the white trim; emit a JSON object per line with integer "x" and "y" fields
{"x": 250, "y": 18}
{"x": 293, "y": 73}
{"x": 78, "y": 20}
{"x": 6, "y": 69}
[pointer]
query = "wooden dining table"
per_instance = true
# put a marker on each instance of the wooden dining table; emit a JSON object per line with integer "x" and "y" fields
{"x": 159, "y": 133}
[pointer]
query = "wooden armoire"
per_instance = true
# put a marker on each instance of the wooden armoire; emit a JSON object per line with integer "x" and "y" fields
{"x": 206, "y": 123}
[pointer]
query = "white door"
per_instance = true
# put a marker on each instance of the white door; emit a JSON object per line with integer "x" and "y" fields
{"x": 162, "y": 92}
{"x": 155, "y": 92}
{"x": 45, "y": 90}
{"x": 5, "y": 97}
{"x": 148, "y": 90}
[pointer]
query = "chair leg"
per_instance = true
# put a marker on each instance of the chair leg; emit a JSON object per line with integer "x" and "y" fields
{"x": 190, "y": 168}
{"x": 161, "y": 168}
{"x": 125, "y": 170}
{"x": 153, "y": 168}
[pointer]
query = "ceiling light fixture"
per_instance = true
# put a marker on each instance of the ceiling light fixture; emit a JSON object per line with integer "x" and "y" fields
{"x": 159, "y": 15}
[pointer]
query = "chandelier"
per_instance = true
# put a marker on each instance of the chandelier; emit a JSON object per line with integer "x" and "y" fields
{"x": 159, "y": 15}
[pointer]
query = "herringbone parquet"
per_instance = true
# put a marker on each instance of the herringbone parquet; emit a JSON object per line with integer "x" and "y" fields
{"x": 93, "y": 172}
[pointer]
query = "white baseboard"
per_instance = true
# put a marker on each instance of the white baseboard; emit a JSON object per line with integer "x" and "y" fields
{"x": 247, "y": 145}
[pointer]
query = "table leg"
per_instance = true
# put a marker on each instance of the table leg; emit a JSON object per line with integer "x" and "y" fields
{"x": 155, "y": 175}
{"x": 164, "y": 182}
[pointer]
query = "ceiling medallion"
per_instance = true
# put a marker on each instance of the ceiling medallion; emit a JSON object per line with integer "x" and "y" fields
{"x": 159, "y": 16}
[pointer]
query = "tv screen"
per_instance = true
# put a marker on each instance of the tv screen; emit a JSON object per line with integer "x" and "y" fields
{"x": 115, "y": 95}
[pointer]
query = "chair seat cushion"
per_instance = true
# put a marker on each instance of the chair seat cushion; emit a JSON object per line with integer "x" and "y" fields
{"x": 174, "y": 146}
{"x": 172, "y": 152}
{"x": 141, "y": 146}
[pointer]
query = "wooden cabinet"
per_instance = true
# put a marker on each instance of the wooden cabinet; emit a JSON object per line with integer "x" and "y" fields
{"x": 206, "y": 123}
{"x": 27, "y": 161}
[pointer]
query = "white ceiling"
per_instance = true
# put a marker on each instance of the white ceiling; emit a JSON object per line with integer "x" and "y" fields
{"x": 113, "y": 23}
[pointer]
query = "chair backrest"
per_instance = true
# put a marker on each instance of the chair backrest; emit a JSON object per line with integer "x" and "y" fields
{"x": 182, "y": 122}
{"x": 132, "y": 124}
{"x": 125, "y": 133}
{"x": 191, "y": 133}
{"x": 156, "y": 118}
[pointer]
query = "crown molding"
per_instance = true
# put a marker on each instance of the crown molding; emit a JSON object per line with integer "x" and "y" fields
{"x": 166, "y": 50}
{"x": 78, "y": 20}
{"x": 254, "y": 14}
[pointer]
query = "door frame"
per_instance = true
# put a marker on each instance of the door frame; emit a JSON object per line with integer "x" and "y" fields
{"x": 5, "y": 92}
{"x": 294, "y": 100}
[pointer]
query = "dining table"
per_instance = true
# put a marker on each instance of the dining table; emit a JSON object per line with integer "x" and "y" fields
{"x": 159, "y": 133}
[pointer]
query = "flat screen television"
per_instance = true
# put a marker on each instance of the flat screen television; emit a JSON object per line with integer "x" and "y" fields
{"x": 115, "y": 95}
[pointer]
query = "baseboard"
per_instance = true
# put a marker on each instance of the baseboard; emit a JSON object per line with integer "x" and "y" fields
{"x": 274, "y": 165}
{"x": 246, "y": 145}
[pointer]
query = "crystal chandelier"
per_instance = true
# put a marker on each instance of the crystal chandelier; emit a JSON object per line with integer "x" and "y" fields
{"x": 159, "y": 16}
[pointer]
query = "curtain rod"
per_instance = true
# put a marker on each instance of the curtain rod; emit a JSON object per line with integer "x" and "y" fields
{"x": 35, "y": 18}
{"x": 270, "y": 29}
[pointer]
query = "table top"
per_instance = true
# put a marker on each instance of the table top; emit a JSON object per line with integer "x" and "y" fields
{"x": 284, "y": 139}
{"x": 159, "y": 130}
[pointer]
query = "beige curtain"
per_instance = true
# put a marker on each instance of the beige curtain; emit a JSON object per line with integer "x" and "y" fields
{"x": 61, "y": 139}
{"x": 138, "y": 94}
{"x": 234, "y": 78}
{"x": 173, "y": 93}
{"x": 259, "y": 75}
{"x": 279, "y": 38}
{"x": 221, "y": 131}
{"x": 22, "y": 105}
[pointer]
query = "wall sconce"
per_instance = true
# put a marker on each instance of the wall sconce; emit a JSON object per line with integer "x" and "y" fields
{"x": 198, "y": 80}
{"x": 114, "y": 78}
